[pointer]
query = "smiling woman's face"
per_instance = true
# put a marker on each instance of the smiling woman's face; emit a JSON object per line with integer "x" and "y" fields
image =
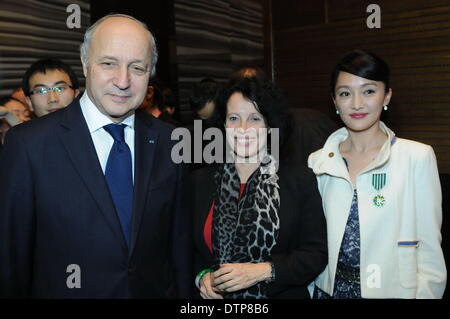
{"x": 360, "y": 101}
{"x": 245, "y": 127}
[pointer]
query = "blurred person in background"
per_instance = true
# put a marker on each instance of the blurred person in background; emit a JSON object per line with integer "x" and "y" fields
{"x": 49, "y": 85}
{"x": 17, "y": 107}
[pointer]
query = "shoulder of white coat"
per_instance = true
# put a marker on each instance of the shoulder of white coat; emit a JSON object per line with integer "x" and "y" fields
{"x": 415, "y": 149}
{"x": 314, "y": 157}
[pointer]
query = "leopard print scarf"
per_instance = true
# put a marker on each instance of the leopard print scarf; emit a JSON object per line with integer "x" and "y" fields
{"x": 246, "y": 229}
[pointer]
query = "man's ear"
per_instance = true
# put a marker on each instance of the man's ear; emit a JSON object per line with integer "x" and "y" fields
{"x": 77, "y": 92}
{"x": 84, "y": 67}
{"x": 30, "y": 105}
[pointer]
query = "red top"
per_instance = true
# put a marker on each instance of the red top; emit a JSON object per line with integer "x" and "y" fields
{"x": 207, "y": 230}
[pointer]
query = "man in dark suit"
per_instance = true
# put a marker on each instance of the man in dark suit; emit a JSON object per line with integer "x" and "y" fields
{"x": 90, "y": 201}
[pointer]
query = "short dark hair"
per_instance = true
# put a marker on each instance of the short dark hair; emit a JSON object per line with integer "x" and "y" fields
{"x": 269, "y": 101}
{"x": 6, "y": 100}
{"x": 44, "y": 65}
{"x": 169, "y": 97}
{"x": 204, "y": 91}
{"x": 363, "y": 64}
{"x": 158, "y": 93}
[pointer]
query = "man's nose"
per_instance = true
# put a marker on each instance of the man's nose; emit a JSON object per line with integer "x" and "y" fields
{"x": 122, "y": 78}
{"x": 52, "y": 97}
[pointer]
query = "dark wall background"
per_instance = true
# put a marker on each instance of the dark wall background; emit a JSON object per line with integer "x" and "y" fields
{"x": 309, "y": 36}
{"x": 414, "y": 38}
{"x": 32, "y": 30}
{"x": 214, "y": 38}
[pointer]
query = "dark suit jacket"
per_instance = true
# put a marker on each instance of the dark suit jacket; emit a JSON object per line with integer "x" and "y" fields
{"x": 166, "y": 117}
{"x": 56, "y": 210}
{"x": 301, "y": 251}
{"x": 311, "y": 128}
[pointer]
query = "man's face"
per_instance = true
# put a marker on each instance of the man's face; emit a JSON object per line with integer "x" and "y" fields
{"x": 42, "y": 104}
{"x": 117, "y": 71}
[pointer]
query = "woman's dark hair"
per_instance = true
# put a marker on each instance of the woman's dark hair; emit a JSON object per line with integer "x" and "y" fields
{"x": 363, "y": 64}
{"x": 268, "y": 100}
{"x": 6, "y": 100}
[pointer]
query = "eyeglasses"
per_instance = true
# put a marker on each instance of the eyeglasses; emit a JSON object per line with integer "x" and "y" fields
{"x": 41, "y": 91}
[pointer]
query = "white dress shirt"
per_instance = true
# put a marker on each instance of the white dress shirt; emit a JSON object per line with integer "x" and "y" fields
{"x": 103, "y": 141}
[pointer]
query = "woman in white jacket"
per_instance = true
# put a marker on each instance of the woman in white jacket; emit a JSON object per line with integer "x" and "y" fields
{"x": 381, "y": 196}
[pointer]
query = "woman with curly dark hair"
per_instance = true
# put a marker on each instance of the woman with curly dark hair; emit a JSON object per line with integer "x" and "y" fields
{"x": 259, "y": 227}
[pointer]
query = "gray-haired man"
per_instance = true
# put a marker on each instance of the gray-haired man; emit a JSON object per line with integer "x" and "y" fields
{"x": 90, "y": 204}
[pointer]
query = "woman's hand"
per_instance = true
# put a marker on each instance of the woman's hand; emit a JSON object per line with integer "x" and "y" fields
{"x": 206, "y": 289}
{"x": 234, "y": 277}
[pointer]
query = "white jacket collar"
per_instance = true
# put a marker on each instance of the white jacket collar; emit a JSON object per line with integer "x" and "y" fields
{"x": 329, "y": 160}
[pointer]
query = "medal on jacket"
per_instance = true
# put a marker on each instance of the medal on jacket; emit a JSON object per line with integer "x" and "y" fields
{"x": 378, "y": 182}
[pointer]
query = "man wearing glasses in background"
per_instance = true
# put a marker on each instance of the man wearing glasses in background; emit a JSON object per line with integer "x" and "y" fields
{"x": 49, "y": 85}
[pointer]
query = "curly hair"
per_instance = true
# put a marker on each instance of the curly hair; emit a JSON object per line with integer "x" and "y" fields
{"x": 267, "y": 98}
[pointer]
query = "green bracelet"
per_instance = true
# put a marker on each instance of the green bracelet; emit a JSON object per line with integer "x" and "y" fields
{"x": 200, "y": 276}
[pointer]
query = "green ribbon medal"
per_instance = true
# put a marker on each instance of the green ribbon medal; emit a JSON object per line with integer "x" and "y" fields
{"x": 378, "y": 182}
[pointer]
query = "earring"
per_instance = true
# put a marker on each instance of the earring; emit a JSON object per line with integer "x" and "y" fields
{"x": 385, "y": 107}
{"x": 337, "y": 111}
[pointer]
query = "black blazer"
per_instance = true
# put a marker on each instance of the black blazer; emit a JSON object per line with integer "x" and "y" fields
{"x": 311, "y": 129}
{"x": 301, "y": 251}
{"x": 56, "y": 210}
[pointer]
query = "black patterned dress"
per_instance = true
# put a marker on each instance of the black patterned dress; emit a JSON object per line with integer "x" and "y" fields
{"x": 347, "y": 284}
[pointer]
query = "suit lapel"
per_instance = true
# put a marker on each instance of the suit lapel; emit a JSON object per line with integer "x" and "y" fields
{"x": 78, "y": 142}
{"x": 146, "y": 141}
